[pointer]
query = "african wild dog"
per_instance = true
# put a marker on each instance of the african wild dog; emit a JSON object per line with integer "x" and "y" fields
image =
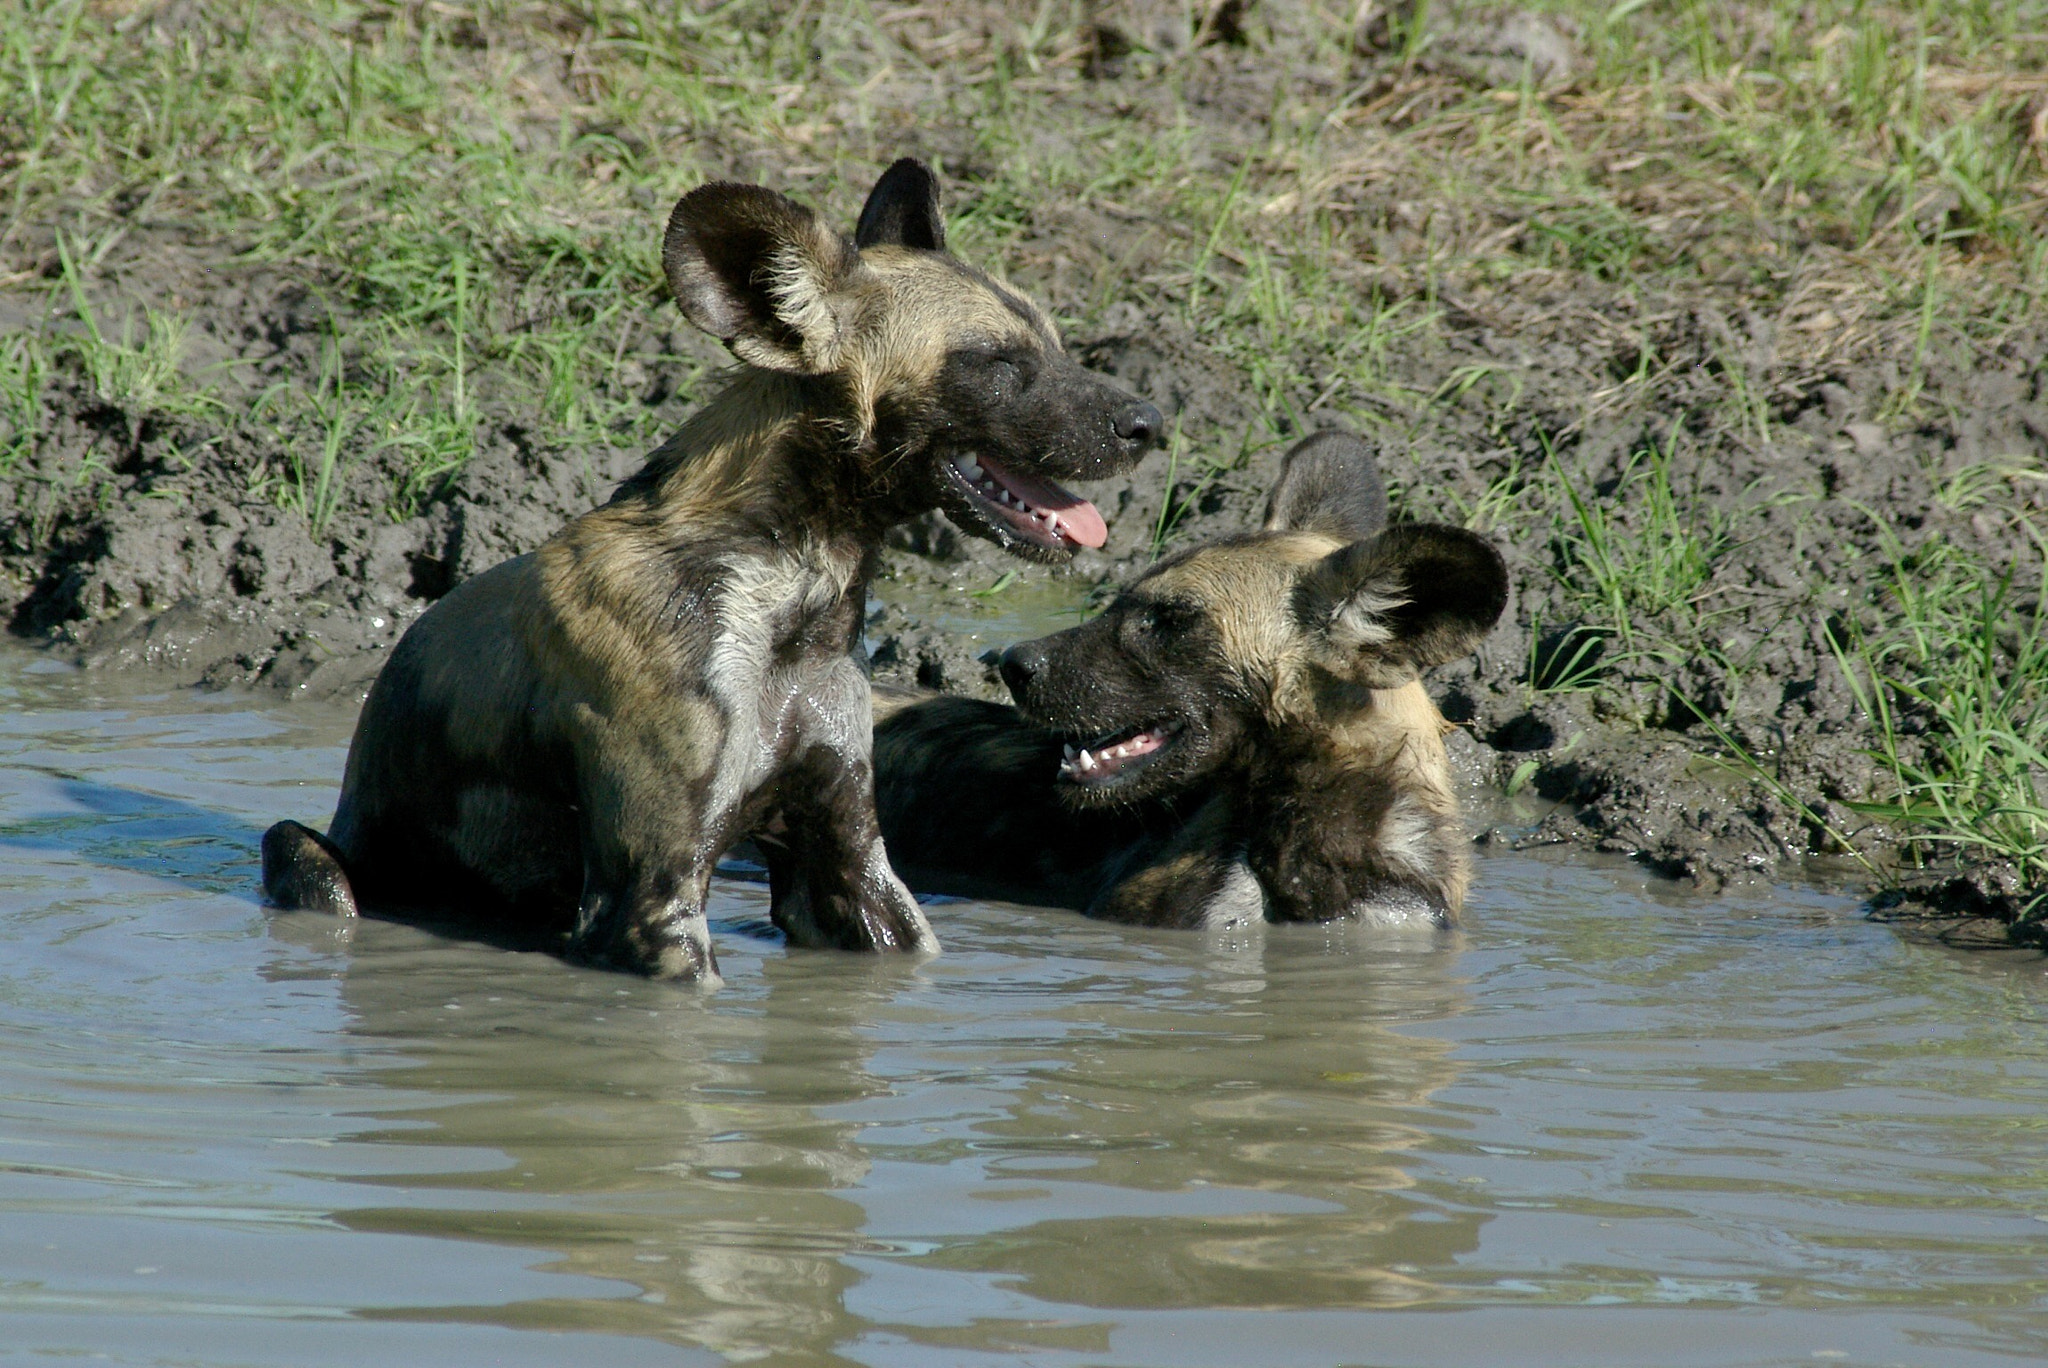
{"x": 569, "y": 740}
{"x": 1240, "y": 734}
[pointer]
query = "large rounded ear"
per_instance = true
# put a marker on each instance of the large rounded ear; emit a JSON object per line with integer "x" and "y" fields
{"x": 903, "y": 210}
{"x": 759, "y": 272}
{"x": 1382, "y": 611}
{"x": 1330, "y": 484}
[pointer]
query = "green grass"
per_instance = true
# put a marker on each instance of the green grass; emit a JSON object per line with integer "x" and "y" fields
{"x": 493, "y": 215}
{"x": 365, "y": 148}
{"x": 137, "y": 368}
{"x": 1952, "y": 671}
{"x": 1657, "y": 568}
{"x": 1181, "y": 496}
{"x": 1955, "y": 681}
{"x": 24, "y": 372}
{"x": 311, "y": 482}
{"x": 1642, "y": 584}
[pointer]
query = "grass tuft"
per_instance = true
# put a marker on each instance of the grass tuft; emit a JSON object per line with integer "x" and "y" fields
{"x": 1641, "y": 584}
{"x": 1956, "y": 682}
{"x": 24, "y": 374}
{"x": 139, "y": 371}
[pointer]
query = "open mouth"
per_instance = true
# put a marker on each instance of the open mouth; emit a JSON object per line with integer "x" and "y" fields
{"x": 1118, "y": 755}
{"x": 1031, "y": 509}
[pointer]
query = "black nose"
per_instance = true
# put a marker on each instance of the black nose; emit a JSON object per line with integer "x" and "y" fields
{"x": 1021, "y": 665}
{"x": 1139, "y": 423}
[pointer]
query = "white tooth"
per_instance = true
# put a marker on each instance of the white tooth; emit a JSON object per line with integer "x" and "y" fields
{"x": 970, "y": 467}
{"x": 1087, "y": 760}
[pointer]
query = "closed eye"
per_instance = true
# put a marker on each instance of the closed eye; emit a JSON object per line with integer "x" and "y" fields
{"x": 1163, "y": 619}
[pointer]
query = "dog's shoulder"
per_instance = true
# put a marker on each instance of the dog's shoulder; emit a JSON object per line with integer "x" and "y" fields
{"x": 967, "y": 796}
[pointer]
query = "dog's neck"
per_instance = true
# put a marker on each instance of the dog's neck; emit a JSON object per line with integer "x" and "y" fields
{"x": 1358, "y": 737}
{"x": 778, "y": 455}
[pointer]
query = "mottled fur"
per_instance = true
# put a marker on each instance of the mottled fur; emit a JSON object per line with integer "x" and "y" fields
{"x": 1305, "y": 776}
{"x": 571, "y": 739}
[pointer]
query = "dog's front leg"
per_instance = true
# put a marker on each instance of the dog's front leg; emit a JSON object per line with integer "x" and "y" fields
{"x": 829, "y": 876}
{"x": 649, "y": 845}
{"x": 648, "y": 919}
{"x": 1197, "y": 878}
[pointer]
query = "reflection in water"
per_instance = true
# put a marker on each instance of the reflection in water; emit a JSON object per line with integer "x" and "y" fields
{"x": 1612, "y": 1123}
{"x": 693, "y": 1133}
{"x": 1236, "y": 1133}
{"x": 1232, "y": 1121}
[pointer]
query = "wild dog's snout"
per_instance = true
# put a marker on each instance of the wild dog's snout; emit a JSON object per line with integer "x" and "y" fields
{"x": 1139, "y": 424}
{"x": 1022, "y": 664}
{"x": 1135, "y": 426}
{"x": 1081, "y": 425}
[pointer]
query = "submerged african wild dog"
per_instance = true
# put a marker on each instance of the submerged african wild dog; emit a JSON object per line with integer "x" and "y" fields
{"x": 570, "y": 740}
{"x": 1240, "y": 735}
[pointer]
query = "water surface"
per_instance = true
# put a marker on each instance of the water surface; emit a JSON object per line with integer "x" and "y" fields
{"x": 1610, "y": 1123}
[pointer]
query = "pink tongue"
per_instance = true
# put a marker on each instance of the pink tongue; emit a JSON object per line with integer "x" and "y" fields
{"x": 1079, "y": 521}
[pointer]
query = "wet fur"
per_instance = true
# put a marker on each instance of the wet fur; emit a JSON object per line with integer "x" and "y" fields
{"x": 568, "y": 741}
{"x": 1310, "y": 781}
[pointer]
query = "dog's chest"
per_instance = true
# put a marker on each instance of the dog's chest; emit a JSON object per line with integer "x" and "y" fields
{"x": 780, "y": 666}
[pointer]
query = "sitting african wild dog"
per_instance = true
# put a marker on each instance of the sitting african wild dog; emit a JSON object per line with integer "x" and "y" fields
{"x": 570, "y": 740}
{"x": 1239, "y": 735}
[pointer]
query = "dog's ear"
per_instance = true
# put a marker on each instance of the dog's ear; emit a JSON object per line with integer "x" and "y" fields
{"x": 759, "y": 272}
{"x": 903, "y": 210}
{"x": 1382, "y": 611}
{"x": 1329, "y": 484}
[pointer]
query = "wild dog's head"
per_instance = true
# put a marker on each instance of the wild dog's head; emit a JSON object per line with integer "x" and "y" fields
{"x": 1254, "y": 644}
{"x": 953, "y": 386}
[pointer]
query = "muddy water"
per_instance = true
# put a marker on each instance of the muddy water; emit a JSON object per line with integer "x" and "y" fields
{"x": 1609, "y": 1124}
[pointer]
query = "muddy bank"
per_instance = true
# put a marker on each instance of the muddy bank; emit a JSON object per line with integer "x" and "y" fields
{"x": 1712, "y": 445}
{"x": 178, "y": 570}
